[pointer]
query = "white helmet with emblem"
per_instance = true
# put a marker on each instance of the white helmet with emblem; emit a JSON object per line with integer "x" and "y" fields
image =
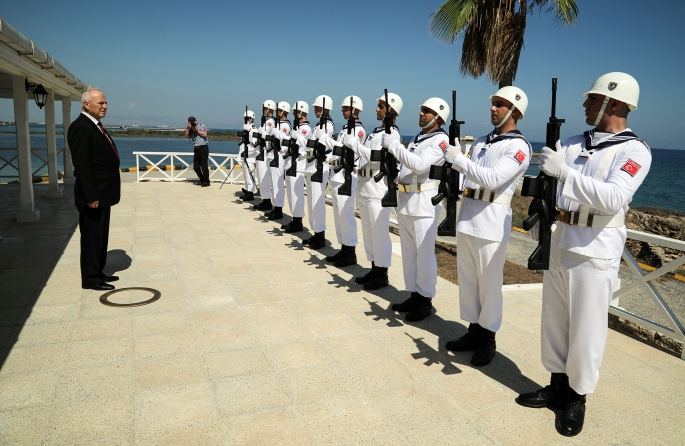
{"x": 356, "y": 103}
{"x": 284, "y": 106}
{"x": 620, "y": 86}
{"x": 319, "y": 101}
{"x": 395, "y": 102}
{"x": 438, "y": 106}
{"x": 301, "y": 106}
{"x": 271, "y": 105}
{"x": 516, "y": 96}
{"x": 248, "y": 114}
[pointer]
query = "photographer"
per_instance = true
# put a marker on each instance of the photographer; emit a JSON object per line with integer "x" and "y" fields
{"x": 197, "y": 133}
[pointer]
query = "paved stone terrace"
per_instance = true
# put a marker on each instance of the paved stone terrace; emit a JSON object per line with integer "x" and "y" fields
{"x": 256, "y": 340}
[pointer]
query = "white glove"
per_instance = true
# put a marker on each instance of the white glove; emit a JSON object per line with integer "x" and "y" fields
{"x": 388, "y": 139}
{"x": 553, "y": 163}
{"x": 452, "y": 153}
{"x": 319, "y": 133}
{"x": 534, "y": 232}
{"x": 247, "y": 127}
{"x": 349, "y": 140}
{"x": 262, "y": 132}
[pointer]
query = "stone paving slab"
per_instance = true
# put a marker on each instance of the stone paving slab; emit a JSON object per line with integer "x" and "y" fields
{"x": 257, "y": 340}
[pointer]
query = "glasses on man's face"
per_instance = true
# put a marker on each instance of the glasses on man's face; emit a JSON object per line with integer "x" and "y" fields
{"x": 426, "y": 111}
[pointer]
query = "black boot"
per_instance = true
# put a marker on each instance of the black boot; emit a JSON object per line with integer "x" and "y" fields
{"x": 248, "y": 196}
{"x": 318, "y": 241}
{"x": 570, "y": 423}
{"x": 276, "y": 214}
{"x": 308, "y": 240}
{"x": 265, "y": 205}
{"x": 422, "y": 310}
{"x": 368, "y": 276}
{"x": 337, "y": 256}
{"x": 486, "y": 348}
{"x": 295, "y": 226}
{"x": 554, "y": 395}
{"x": 408, "y": 304}
{"x": 245, "y": 191}
{"x": 380, "y": 280}
{"x": 467, "y": 342}
{"x": 349, "y": 258}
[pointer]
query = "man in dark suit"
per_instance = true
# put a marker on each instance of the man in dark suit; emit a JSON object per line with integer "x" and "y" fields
{"x": 97, "y": 187}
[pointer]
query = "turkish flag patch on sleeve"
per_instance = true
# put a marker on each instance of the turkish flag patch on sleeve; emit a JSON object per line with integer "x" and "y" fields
{"x": 443, "y": 145}
{"x": 631, "y": 167}
{"x": 304, "y": 132}
{"x": 361, "y": 134}
{"x": 520, "y": 157}
{"x": 268, "y": 124}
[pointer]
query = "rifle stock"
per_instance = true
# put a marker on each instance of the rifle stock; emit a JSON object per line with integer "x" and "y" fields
{"x": 347, "y": 158}
{"x": 388, "y": 168}
{"x": 293, "y": 148}
{"x": 319, "y": 149}
{"x": 275, "y": 142}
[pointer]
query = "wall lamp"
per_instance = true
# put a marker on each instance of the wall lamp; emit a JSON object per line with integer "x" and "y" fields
{"x": 39, "y": 93}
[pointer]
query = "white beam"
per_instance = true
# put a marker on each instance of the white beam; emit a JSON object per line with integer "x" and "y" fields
{"x": 28, "y": 211}
{"x": 51, "y": 139}
{"x": 66, "y": 120}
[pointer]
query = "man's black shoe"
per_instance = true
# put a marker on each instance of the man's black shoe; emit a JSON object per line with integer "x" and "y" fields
{"x": 102, "y": 286}
{"x": 408, "y": 304}
{"x": 467, "y": 342}
{"x": 285, "y": 225}
{"x": 421, "y": 311}
{"x": 110, "y": 278}
{"x": 570, "y": 423}
{"x": 368, "y": 276}
{"x": 248, "y": 196}
{"x": 486, "y": 348}
{"x": 295, "y": 226}
{"x": 205, "y": 184}
{"x": 276, "y": 214}
{"x": 378, "y": 281}
{"x": 554, "y": 395}
{"x": 308, "y": 240}
{"x": 265, "y": 205}
{"x": 245, "y": 191}
{"x": 318, "y": 241}
{"x": 335, "y": 257}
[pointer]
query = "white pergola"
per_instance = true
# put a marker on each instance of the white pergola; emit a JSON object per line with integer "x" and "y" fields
{"x": 22, "y": 60}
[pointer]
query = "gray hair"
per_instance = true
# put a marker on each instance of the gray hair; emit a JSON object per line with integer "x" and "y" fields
{"x": 88, "y": 95}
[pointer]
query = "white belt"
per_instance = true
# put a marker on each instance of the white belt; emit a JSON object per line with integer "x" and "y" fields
{"x": 366, "y": 173}
{"x": 487, "y": 195}
{"x": 593, "y": 221}
{"x": 419, "y": 187}
{"x": 309, "y": 153}
{"x": 335, "y": 163}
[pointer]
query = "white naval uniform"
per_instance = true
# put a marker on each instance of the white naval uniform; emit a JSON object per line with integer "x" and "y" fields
{"x": 281, "y": 131}
{"x": 248, "y": 164}
{"x": 316, "y": 192}
{"x": 263, "y": 174}
{"x": 374, "y": 217}
{"x": 343, "y": 206}
{"x": 416, "y": 215}
{"x": 295, "y": 185}
{"x": 496, "y": 165}
{"x": 584, "y": 261}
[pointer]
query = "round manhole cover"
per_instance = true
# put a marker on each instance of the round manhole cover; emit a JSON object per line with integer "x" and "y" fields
{"x": 130, "y": 297}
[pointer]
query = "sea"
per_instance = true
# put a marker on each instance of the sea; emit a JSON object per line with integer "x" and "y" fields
{"x": 662, "y": 188}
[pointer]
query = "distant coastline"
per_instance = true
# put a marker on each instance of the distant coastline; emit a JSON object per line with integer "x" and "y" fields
{"x": 152, "y": 133}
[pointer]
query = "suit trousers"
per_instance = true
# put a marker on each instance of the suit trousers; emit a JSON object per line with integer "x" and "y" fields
{"x": 94, "y": 227}
{"x": 248, "y": 167}
{"x": 295, "y": 189}
{"x": 419, "y": 264}
{"x": 200, "y": 157}
{"x": 264, "y": 179}
{"x": 343, "y": 213}
{"x": 316, "y": 202}
{"x": 375, "y": 223}
{"x": 278, "y": 182}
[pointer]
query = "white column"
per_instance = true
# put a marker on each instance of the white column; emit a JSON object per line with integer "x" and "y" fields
{"x": 53, "y": 186}
{"x": 28, "y": 211}
{"x": 66, "y": 119}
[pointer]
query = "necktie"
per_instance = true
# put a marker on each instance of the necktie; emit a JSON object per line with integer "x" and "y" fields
{"x": 102, "y": 129}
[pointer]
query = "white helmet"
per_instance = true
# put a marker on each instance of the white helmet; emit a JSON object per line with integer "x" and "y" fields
{"x": 356, "y": 102}
{"x": 271, "y": 105}
{"x": 620, "y": 86}
{"x": 395, "y": 102}
{"x": 248, "y": 114}
{"x": 438, "y": 106}
{"x": 301, "y": 106}
{"x": 516, "y": 96}
{"x": 284, "y": 106}
{"x": 318, "y": 102}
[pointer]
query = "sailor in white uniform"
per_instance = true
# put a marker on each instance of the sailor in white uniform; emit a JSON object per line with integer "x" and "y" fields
{"x": 263, "y": 174}
{"x": 280, "y": 131}
{"x": 491, "y": 174}
{"x": 343, "y": 205}
{"x": 299, "y": 135}
{"x": 599, "y": 172}
{"x": 247, "y": 163}
{"x": 416, "y": 215}
{"x": 374, "y": 217}
{"x": 316, "y": 191}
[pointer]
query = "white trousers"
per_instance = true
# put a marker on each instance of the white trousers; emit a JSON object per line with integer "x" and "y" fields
{"x": 576, "y": 295}
{"x": 343, "y": 213}
{"x": 316, "y": 202}
{"x": 295, "y": 187}
{"x": 278, "y": 183}
{"x": 419, "y": 264}
{"x": 248, "y": 166}
{"x": 480, "y": 264}
{"x": 264, "y": 178}
{"x": 375, "y": 230}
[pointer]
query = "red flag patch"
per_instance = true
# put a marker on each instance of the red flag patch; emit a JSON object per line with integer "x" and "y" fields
{"x": 361, "y": 134}
{"x": 304, "y": 132}
{"x": 520, "y": 157}
{"x": 285, "y": 130}
{"x": 268, "y": 124}
{"x": 631, "y": 167}
{"x": 443, "y": 145}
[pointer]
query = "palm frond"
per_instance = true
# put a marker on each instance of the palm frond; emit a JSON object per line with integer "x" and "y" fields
{"x": 451, "y": 19}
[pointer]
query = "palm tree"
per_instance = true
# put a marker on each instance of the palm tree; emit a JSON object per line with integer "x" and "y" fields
{"x": 493, "y": 32}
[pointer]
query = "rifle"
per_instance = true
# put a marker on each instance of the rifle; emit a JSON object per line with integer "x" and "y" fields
{"x": 261, "y": 141}
{"x": 319, "y": 149}
{"x": 388, "y": 163}
{"x": 293, "y": 148}
{"x": 449, "y": 179}
{"x": 244, "y": 136}
{"x": 347, "y": 158}
{"x": 543, "y": 189}
{"x": 275, "y": 142}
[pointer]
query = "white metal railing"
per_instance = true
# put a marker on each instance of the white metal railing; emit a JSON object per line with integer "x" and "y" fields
{"x": 222, "y": 166}
{"x": 674, "y": 329}
{"x": 12, "y": 161}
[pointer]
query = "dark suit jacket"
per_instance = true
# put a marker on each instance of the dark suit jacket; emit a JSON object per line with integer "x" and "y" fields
{"x": 96, "y": 165}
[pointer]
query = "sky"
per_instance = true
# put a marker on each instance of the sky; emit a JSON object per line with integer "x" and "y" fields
{"x": 159, "y": 62}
